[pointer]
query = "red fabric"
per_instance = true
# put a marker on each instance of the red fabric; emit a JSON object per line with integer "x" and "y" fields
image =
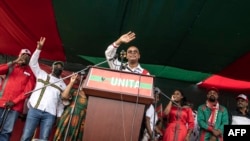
{"x": 18, "y": 130}
{"x": 24, "y": 22}
{"x": 234, "y": 78}
{"x": 145, "y": 72}
{"x": 239, "y": 70}
{"x": 181, "y": 118}
{"x": 22, "y": 79}
{"x": 224, "y": 83}
{"x": 159, "y": 111}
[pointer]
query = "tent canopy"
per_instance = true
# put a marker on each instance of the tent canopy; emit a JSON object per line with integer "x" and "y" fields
{"x": 198, "y": 41}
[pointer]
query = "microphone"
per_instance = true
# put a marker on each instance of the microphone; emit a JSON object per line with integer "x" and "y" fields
{"x": 125, "y": 66}
{"x": 157, "y": 90}
{"x": 82, "y": 72}
{"x": 123, "y": 54}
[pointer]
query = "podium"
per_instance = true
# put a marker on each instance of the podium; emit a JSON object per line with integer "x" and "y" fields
{"x": 116, "y": 104}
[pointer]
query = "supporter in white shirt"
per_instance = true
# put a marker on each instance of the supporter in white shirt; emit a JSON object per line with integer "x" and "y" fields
{"x": 45, "y": 103}
{"x": 150, "y": 122}
{"x": 241, "y": 115}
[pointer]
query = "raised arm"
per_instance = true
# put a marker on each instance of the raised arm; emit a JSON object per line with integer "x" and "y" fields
{"x": 35, "y": 56}
{"x": 168, "y": 107}
{"x": 66, "y": 93}
{"x": 125, "y": 38}
{"x": 111, "y": 50}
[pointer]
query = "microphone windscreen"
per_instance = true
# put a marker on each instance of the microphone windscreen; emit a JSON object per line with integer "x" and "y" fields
{"x": 157, "y": 90}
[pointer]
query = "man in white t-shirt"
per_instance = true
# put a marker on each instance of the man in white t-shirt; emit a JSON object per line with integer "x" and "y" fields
{"x": 151, "y": 119}
{"x": 241, "y": 116}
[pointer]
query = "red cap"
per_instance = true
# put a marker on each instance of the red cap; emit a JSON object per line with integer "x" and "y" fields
{"x": 213, "y": 88}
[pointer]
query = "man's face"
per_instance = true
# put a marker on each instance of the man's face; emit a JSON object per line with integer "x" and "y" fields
{"x": 212, "y": 95}
{"x": 57, "y": 70}
{"x": 25, "y": 58}
{"x": 241, "y": 103}
{"x": 133, "y": 54}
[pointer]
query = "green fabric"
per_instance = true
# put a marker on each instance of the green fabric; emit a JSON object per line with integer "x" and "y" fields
{"x": 160, "y": 71}
{"x": 190, "y": 35}
{"x": 203, "y": 115}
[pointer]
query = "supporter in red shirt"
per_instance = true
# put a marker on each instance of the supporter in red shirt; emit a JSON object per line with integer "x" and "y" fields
{"x": 18, "y": 82}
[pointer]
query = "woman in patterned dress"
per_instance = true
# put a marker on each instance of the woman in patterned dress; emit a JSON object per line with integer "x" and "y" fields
{"x": 71, "y": 125}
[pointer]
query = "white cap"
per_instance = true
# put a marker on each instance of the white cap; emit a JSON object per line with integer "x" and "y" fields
{"x": 242, "y": 96}
{"x": 24, "y": 51}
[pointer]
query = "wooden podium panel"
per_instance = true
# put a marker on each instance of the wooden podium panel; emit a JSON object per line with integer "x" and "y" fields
{"x": 116, "y": 104}
{"x": 112, "y": 120}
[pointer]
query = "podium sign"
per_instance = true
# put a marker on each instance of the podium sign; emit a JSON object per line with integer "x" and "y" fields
{"x": 112, "y": 84}
{"x": 116, "y": 104}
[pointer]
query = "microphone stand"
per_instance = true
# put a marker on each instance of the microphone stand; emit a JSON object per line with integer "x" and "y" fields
{"x": 155, "y": 104}
{"x": 73, "y": 108}
{"x": 76, "y": 97}
{"x": 122, "y": 55}
{"x": 157, "y": 90}
{"x": 78, "y": 72}
{"x": 4, "y": 117}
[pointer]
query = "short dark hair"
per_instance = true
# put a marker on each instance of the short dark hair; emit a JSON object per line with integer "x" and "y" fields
{"x": 58, "y": 62}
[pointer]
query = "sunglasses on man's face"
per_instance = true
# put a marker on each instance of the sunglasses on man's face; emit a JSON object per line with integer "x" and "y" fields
{"x": 132, "y": 51}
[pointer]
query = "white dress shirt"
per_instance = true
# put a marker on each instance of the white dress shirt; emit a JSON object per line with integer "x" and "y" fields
{"x": 49, "y": 100}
